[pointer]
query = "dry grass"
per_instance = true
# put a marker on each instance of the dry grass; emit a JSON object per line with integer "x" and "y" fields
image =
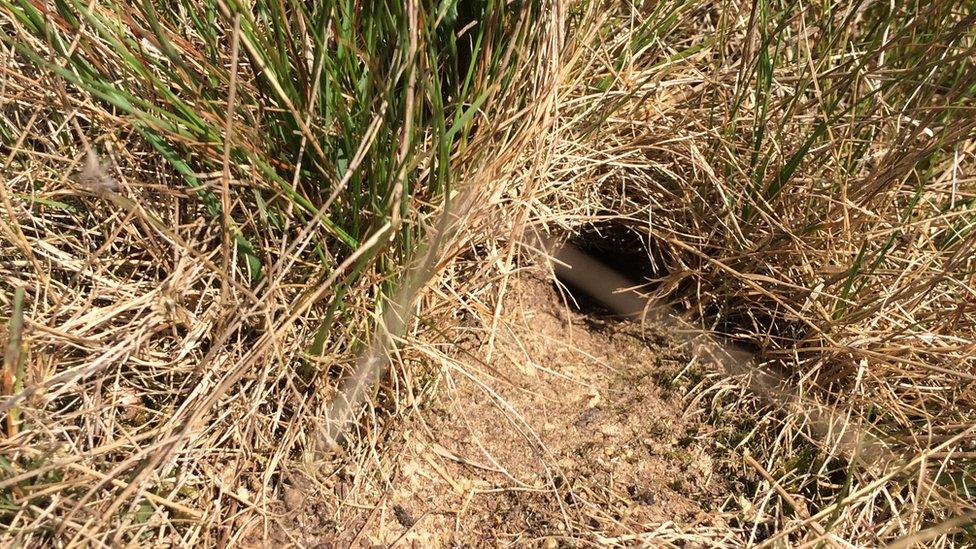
{"x": 172, "y": 389}
{"x": 804, "y": 176}
{"x": 212, "y": 237}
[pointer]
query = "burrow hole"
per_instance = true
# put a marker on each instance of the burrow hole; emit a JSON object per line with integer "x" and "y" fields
{"x": 625, "y": 250}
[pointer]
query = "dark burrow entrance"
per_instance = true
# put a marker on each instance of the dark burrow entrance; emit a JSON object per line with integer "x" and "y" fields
{"x": 600, "y": 261}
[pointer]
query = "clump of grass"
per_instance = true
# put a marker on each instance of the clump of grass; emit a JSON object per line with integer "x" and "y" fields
{"x": 279, "y": 171}
{"x": 806, "y": 172}
{"x": 214, "y": 207}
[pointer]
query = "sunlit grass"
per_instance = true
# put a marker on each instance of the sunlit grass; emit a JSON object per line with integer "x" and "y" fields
{"x": 214, "y": 208}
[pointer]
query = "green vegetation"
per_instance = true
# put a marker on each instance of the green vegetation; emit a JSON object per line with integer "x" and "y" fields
{"x": 216, "y": 209}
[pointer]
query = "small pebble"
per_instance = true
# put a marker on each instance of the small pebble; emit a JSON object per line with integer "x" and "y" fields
{"x": 403, "y": 516}
{"x": 294, "y": 498}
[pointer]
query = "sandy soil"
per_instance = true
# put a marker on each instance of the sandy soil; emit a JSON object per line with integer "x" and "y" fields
{"x": 565, "y": 437}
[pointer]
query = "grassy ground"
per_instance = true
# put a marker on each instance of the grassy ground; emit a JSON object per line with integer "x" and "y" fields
{"x": 239, "y": 229}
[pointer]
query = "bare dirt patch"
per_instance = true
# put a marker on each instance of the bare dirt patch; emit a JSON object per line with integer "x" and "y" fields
{"x": 564, "y": 437}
